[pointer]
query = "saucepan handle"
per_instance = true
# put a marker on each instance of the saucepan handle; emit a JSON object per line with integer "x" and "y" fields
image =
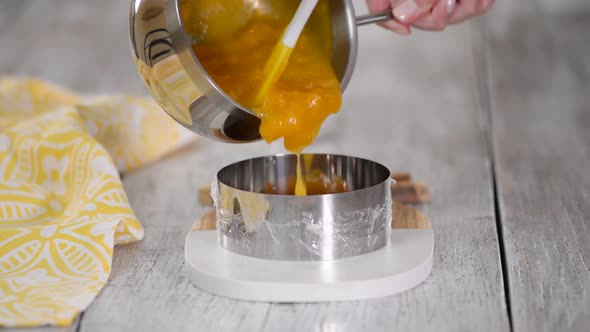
{"x": 376, "y": 17}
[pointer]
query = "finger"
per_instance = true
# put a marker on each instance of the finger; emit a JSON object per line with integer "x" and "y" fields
{"x": 397, "y": 27}
{"x": 408, "y": 11}
{"x": 436, "y": 20}
{"x": 469, "y": 8}
{"x": 377, "y": 5}
{"x": 464, "y": 10}
{"x": 451, "y": 4}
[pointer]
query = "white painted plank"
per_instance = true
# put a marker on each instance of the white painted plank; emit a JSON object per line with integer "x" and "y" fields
{"x": 411, "y": 106}
{"x": 83, "y": 45}
{"x": 149, "y": 292}
{"x": 539, "y": 76}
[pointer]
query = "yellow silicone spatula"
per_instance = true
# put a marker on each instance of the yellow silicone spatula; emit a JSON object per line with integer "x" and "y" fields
{"x": 282, "y": 51}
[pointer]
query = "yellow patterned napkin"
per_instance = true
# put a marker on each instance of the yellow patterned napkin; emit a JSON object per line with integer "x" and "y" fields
{"x": 62, "y": 204}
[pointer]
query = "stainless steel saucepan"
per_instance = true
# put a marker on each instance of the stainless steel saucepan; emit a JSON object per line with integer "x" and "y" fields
{"x": 175, "y": 78}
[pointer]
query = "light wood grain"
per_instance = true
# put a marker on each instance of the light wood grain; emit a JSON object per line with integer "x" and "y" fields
{"x": 207, "y": 222}
{"x": 405, "y": 216}
{"x": 539, "y": 77}
{"x": 411, "y": 105}
{"x": 83, "y": 45}
{"x": 438, "y": 138}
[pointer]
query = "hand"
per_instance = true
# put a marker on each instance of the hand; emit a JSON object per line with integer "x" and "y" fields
{"x": 428, "y": 14}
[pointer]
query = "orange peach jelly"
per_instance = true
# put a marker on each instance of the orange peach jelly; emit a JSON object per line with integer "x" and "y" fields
{"x": 297, "y": 105}
{"x": 294, "y": 109}
{"x": 316, "y": 183}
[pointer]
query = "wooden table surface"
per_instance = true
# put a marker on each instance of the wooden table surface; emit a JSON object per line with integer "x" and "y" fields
{"x": 493, "y": 114}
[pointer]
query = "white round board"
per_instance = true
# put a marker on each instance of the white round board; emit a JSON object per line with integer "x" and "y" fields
{"x": 403, "y": 264}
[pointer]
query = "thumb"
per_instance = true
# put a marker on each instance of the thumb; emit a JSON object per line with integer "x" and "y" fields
{"x": 408, "y": 11}
{"x": 393, "y": 25}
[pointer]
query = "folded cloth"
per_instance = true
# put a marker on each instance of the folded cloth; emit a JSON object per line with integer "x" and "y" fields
{"x": 62, "y": 203}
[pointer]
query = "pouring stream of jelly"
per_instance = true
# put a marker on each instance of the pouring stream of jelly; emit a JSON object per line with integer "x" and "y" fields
{"x": 276, "y": 64}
